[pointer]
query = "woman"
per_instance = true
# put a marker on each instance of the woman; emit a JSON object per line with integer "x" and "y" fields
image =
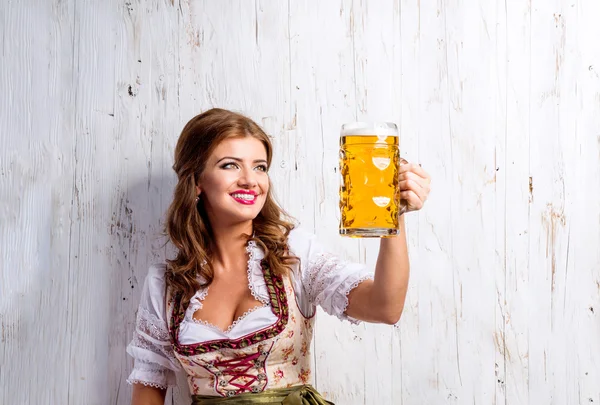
{"x": 235, "y": 307}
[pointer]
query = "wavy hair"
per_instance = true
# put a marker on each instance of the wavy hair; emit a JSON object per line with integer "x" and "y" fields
{"x": 187, "y": 225}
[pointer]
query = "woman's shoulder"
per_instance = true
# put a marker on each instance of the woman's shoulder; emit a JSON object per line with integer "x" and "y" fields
{"x": 299, "y": 239}
{"x": 155, "y": 279}
{"x": 304, "y": 243}
{"x": 158, "y": 270}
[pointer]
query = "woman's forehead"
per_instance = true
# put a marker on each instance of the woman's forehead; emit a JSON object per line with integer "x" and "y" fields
{"x": 246, "y": 147}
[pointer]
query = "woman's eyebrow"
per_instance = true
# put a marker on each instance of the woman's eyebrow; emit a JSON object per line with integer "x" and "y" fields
{"x": 240, "y": 160}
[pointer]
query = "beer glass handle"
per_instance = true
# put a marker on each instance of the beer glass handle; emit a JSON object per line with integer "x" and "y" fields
{"x": 403, "y": 206}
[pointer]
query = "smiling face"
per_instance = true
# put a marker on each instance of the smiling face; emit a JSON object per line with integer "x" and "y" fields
{"x": 234, "y": 183}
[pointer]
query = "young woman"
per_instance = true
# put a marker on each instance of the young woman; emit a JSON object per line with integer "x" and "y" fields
{"x": 235, "y": 307}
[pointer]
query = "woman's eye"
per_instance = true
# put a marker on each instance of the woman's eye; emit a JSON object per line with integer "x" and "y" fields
{"x": 229, "y": 166}
{"x": 262, "y": 168}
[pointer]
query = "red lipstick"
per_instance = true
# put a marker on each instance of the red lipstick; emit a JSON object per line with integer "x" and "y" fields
{"x": 246, "y": 197}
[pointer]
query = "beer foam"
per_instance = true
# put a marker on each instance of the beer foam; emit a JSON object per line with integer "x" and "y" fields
{"x": 370, "y": 128}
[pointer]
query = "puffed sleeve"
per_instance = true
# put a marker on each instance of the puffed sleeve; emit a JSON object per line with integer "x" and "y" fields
{"x": 322, "y": 278}
{"x": 155, "y": 364}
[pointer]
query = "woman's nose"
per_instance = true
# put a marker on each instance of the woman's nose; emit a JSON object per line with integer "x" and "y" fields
{"x": 247, "y": 178}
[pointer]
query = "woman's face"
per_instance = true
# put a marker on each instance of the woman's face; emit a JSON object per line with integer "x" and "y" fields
{"x": 234, "y": 183}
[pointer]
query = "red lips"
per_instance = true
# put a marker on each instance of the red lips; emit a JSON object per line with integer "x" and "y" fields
{"x": 251, "y": 192}
{"x": 245, "y": 201}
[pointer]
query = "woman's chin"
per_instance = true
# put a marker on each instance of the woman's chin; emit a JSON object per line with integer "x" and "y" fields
{"x": 240, "y": 215}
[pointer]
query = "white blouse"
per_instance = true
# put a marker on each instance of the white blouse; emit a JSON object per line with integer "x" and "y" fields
{"x": 320, "y": 278}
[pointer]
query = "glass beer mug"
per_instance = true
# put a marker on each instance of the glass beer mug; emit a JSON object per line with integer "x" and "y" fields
{"x": 370, "y": 202}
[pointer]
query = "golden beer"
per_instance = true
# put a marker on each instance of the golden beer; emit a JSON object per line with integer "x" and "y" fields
{"x": 369, "y": 192}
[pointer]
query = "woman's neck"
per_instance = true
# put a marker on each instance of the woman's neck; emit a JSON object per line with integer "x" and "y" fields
{"x": 229, "y": 242}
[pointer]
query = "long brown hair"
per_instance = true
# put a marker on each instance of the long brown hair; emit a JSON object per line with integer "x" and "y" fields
{"x": 187, "y": 224}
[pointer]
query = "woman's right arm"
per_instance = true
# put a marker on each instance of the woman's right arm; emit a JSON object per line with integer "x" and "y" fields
{"x": 155, "y": 363}
{"x": 143, "y": 395}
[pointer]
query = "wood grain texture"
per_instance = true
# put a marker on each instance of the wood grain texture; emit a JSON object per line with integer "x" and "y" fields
{"x": 500, "y": 101}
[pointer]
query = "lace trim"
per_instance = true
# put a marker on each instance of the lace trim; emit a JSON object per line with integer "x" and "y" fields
{"x": 253, "y": 261}
{"x": 233, "y": 325}
{"x": 196, "y": 301}
{"x": 317, "y": 275}
{"x": 279, "y": 307}
{"x": 151, "y": 325}
{"x": 321, "y": 271}
{"x": 151, "y": 334}
{"x": 152, "y": 375}
{"x": 346, "y": 291}
{"x": 165, "y": 350}
{"x": 147, "y": 384}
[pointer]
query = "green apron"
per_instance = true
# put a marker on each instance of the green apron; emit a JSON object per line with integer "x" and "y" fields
{"x": 299, "y": 395}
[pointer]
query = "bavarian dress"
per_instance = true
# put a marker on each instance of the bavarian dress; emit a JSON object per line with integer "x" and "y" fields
{"x": 299, "y": 395}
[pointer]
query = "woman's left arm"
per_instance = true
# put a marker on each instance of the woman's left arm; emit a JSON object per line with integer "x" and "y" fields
{"x": 381, "y": 300}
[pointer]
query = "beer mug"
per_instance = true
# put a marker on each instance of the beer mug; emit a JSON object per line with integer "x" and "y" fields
{"x": 370, "y": 202}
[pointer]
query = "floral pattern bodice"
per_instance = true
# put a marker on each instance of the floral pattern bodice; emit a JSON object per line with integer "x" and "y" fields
{"x": 266, "y": 348}
{"x": 275, "y": 357}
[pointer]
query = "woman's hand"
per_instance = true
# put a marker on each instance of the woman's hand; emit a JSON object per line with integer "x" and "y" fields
{"x": 415, "y": 185}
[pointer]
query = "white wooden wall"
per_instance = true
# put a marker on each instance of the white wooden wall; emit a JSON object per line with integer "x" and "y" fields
{"x": 499, "y": 100}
